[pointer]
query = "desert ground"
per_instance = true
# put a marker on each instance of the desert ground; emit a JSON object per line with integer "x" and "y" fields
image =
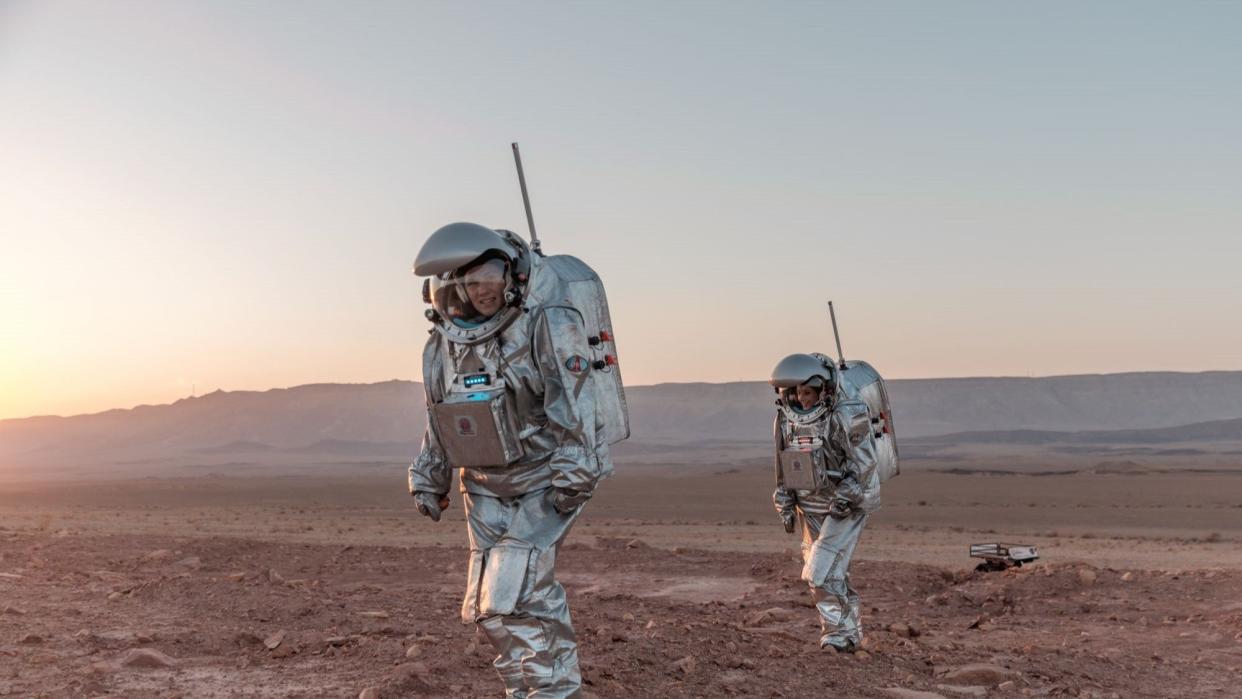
{"x": 682, "y": 583}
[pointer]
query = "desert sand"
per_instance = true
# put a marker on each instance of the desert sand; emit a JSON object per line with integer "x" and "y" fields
{"x": 317, "y": 584}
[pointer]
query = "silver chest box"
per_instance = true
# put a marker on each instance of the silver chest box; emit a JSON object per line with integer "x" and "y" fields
{"x": 477, "y": 429}
{"x": 802, "y": 469}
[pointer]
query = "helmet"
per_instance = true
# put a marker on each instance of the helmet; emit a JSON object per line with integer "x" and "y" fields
{"x": 804, "y": 370}
{"x": 478, "y": 280}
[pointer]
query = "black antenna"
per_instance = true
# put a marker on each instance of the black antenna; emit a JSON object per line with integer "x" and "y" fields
{"x": 837, "y": 335}
{"x": 530, "y": 217}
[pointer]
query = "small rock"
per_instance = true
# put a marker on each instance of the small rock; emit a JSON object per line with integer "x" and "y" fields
{"x": 9, "y": 609}
{"x": 1127, "y": 576}
{"x": 146, "y": 658}
{"x": 862, "y": 655}
{"x": 903, "y": 693}
{"x": 114, "y": 596}
{"x": 30, "y": 639}
{"x": 650, "y": 624}
{"x": 369, "y": 693}
{"x": 273, "y": 641}
{"x": 979, "y": 674}
{"x": 413, "y": 652}
{"x": 273, "y": 576}
{"x": 635, "y": 544}
{"x": 969, "y": 691}
{"x": 1086, "y": 576}
{"x": 620, "y": 637}
{"x": 236, "y": 577}
{"x": 627, "y": 617}
{"x": 284, "y": 650}
{"x": 1007, "y": 686}
{"x": 769, "y": 615}
{"x": 374, "y": 615}
{"x": 686, "y": 665}
{"x": 904, "y": 630}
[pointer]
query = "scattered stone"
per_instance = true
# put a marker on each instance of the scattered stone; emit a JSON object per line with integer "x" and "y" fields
{"x": 862, "y": 655}
{"x": 369, "y": 693}
{"x": 903, "y": 693}
{"x": 157, "y": 556}
{"x": 413, "y": 652}
{"x": 114, "y": 596}
{"x": 1086, "y": 576}
{"x": 1007, "y": 686}
{"x": 147, "y": 659}
{"x": 274, "y": 577}
{"x": 274, "y": 641}
{"x": 968, "y": 691}
{"x": 284, "y": 650}
{"x": 635, "y": 544}
{"x": 650, "y": 624}
{"x": 771, "y": 614}
{"x": 620, "y": 637}
{"x": 1127, "y": 576}
{"x": 686, "y": 665}
{"x": 904, "y": 630}
{"x": 627, "y": 617}
{"x": 374, "y": 615}
{"x": 979, "y": 674}
{"x": 236, "y": 577}
{"x": 10, "y": 609}
{"x": 337, "y": 641}
{"x": 30, "y": 639}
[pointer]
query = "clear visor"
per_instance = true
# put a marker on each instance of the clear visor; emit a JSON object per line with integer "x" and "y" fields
{"x": 805, "y": 397}
{"x": 469, "y": 298}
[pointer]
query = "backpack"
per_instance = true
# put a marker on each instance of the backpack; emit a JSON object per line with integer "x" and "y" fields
{"x": 861, "y": 381}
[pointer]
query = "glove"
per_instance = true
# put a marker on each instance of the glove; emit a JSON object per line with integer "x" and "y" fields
{"x": 430, "y": 504}
{"x": 788, "y": 521}
{"x": 846, "y": 498}
{"x": 566, "y": 500}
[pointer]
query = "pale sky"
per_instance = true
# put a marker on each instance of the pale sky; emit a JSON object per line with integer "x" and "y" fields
{"x": 230, "y": 194}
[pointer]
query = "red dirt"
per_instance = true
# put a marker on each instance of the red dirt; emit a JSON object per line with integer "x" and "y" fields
{"x": 71, "y": 607}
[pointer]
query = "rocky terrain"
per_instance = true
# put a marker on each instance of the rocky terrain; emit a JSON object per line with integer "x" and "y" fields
{"x": 156, "y": 616}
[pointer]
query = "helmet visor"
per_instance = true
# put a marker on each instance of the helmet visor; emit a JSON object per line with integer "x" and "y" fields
{"x": 806, "y": 396}
{"x": 470, "y": 296}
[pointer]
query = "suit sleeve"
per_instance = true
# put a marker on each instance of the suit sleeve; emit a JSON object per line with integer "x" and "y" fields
{"x": 430, "y": 472}
{"x": 850, "y": 437}
{"x": 561, "y": 353}
{"x": 783, "y": 498}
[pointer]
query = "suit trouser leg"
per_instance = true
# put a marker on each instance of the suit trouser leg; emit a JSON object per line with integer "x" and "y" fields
{"x": 828, "y": 546}
{"x": 513, "y": 596}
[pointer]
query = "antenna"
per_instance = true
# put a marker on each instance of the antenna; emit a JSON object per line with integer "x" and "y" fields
{"x": 530, "y": 217}
{"x": 833, "y": 314}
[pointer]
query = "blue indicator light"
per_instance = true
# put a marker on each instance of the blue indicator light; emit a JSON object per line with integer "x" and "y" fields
{"x": 476, "y": 380}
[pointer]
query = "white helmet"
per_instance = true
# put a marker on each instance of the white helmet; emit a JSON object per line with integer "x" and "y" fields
{"x": 479, "y": 278}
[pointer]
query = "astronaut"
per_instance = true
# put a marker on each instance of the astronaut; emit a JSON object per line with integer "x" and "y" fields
{"x": 524, "y": 397}
{"x": 827, "y": 484}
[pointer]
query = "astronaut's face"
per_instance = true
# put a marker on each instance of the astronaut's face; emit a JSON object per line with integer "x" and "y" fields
{"x": 807, "y": 396}
{"x": 485, "y": 285}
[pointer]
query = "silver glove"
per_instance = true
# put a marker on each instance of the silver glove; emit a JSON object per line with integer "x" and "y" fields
{"x": 566, "y": 501}
{"x": 430, "y": 504}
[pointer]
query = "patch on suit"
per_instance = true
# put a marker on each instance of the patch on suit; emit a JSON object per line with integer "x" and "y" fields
{"x": 577, "y": 364}
{"x": 466, "y": 427}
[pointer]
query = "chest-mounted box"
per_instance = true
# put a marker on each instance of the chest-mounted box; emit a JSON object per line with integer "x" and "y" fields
{"x": 478, "y": 428}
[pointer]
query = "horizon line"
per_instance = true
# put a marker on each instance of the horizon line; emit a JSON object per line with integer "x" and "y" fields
{"x": 654, "y": 385}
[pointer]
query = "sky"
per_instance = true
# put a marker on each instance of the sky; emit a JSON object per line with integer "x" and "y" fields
{"x": 229, "y": 195}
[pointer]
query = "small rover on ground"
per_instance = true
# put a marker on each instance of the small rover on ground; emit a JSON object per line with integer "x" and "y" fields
{"x": 1003, "y": 556}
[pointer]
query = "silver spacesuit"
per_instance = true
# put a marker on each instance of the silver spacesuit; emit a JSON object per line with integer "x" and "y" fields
{"x": 524, "y": 395}
{"x": 827, "y": 481}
